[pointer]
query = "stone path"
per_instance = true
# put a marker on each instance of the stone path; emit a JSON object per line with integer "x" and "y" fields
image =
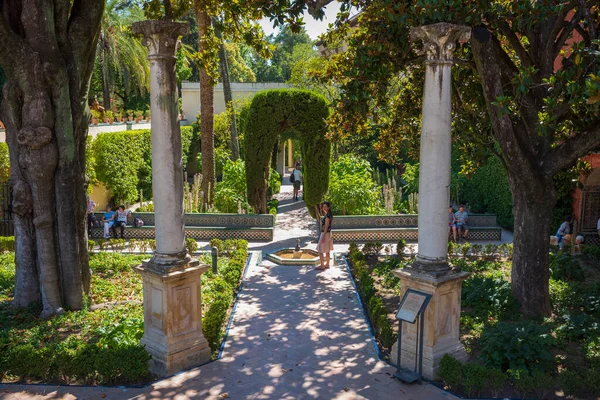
{"x": 297, "y": 333}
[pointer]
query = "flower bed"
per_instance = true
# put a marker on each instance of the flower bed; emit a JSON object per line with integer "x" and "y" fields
{"x": 101, "y": 344}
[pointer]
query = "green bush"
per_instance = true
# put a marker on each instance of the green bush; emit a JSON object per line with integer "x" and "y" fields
{"x": 474, "y": 378}
{"x": 191, "y": 245}
{"x": 450, "y": 371}
{"x": 563, "y": 266}
{"x": 521, "y": 380}
{"x": 401, "y": 246}
{"x": 591, "y": 252}
{"x": 7, "y": 243}
{"x": 123, "y": 161}
{"x": 274, "y": 183}
{"x": 4, "y": 162}
{"x": 230, "y": 194}
{"x": 372, "y": 248}
{"x": 218, "y": 243}
{"x": 488, "y": 192}
{"x": 352, "y": 190}
{"x": 489, "y": 295}
{"x": 516, "y": 345}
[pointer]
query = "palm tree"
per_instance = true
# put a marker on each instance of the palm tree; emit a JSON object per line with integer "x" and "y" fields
{"x": 121, "y": 55}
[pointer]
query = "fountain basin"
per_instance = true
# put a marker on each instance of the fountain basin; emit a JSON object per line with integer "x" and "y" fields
{"x": 287, "y": 257}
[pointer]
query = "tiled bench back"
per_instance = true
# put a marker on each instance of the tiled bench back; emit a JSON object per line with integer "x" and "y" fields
{"x": 215, "y": 220}
{"x": 400, "y": 221}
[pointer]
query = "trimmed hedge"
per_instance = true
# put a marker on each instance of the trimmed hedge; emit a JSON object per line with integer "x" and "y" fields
{"x": 123, "y": 161}
{"x": 278, "y": 115}
{"x": 218, "y": 292}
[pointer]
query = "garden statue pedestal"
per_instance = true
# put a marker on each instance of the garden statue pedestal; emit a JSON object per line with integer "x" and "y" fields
{"x": 173, "y": 316}
{"x": 442, "y": 320}
{"x": 430, "y": 271}
{"x": 172, "y": 303}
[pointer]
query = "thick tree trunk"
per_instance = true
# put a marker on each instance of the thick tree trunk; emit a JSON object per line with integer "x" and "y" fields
{"x": 533, "y": 203}
{"x": 45, "y": 110}
{"x": 206, "y": 117}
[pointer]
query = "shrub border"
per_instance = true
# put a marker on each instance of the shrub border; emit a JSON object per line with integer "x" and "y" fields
{"x": 251, "y": 256}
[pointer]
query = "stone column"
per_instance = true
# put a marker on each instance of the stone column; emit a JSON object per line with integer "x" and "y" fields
{"x": 281, "y": 158}
{"x": 430, "y": 272}
{"x": 171, "y": 279}
{"x": 439, "y": 42}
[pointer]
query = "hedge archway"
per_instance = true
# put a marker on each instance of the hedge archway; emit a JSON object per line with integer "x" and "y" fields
{"x": 280, "y": 114}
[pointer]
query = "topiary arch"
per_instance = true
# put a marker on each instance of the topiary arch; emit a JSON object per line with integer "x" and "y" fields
{"x": 278, "y": 115}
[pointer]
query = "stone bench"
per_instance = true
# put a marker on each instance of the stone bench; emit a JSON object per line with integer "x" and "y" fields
{"x": 251, "y": 227}
{"x": 380, "y": 228}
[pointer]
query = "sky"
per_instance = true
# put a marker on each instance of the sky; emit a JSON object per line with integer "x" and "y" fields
{"x": 313, "y": 27}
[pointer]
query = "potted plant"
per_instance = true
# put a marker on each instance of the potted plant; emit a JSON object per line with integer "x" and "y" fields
{"x": 108, "y": 117}
{"x": 130, "y": 115}
{"x": 119, "y": 116}
{"x": 148, "y": 115}
{"x": 139, "y": 115}
{"x": 96, "y": 115}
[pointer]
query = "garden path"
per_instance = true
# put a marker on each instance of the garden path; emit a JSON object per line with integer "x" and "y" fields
{"x": 296, "y": 334}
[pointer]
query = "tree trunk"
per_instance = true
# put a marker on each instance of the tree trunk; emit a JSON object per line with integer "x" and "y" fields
{"x": 234, "y": 142}
{"x": 48, "y": 63}
{"x": 532, "y": 208}
{"x": 206, "y": 115}
{"x": 105, "y": 79}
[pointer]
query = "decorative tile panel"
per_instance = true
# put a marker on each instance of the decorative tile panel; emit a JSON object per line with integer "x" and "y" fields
{"x": 401, "y": 221}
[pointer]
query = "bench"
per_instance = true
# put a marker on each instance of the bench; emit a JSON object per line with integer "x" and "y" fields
{"x": 391, "y": 228}
{"x": 251, "y": 227}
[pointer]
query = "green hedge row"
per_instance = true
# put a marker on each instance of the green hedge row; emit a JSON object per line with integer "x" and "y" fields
{"x": 218, "y": 291}
{"x": 7, "y": 243}
{"x": 122, "y": 161}
{"x": 374, "y": 305}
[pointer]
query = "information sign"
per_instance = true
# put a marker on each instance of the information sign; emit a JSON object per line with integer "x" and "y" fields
{"x": 412, "y": 304}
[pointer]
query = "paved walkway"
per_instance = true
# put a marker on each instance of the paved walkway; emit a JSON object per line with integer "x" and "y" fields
{"x": 297, "y": 333}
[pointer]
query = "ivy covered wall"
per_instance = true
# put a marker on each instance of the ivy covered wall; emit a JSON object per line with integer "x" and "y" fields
{"x": 276, "y": 115}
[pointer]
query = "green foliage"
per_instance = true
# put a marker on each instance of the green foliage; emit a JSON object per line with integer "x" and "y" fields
{"x": 450, "y": 371}
{"x": 487, "y": 192}
{"x": 565, "y": 267}
{"x": 287, "y": 113}
{"x": 352, "y": 190}
{"x": 7, "y": 243}
{"x": 218, "y": 243}
{"x": 489, "y": 295}
{"x": 516, "y": 345}
{"x": 231, "y": 191}
{"x": 400, "y": 247}
{"x": 591, "y": 252}
{"x": 123, "y": 161}
{"x": 191, "y": 245}
{"x": 372, "y": 248}
{"x": 4, "y": 162}
{"x": 274, "y": 182}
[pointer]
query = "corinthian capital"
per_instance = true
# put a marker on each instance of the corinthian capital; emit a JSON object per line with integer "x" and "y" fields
{"x": 439, "y": 40}
{"x": 160, "y": 37}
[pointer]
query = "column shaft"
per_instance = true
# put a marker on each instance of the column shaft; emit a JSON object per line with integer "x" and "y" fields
{"x": 434, "y": 170}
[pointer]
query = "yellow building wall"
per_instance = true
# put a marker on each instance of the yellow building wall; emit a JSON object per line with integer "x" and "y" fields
{"x": 101, "y": 196}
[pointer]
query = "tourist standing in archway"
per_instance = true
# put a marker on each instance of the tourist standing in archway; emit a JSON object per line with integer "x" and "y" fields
{"x": 296, "y": 179}
{"x": 325, "y": 246}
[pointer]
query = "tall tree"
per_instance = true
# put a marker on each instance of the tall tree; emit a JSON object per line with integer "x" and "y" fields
{"x": 536, "y": 64}
{"x": 48, "y": 51}
{"x": 121, "y": 55}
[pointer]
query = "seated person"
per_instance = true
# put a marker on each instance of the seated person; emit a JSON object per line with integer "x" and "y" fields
{"x": 563, "y": 231}
{"x": 461, "y": 221}
{"x": 578, "y": 240}
{"x": 451, "y": 222}
{"x": 120, "y": 221}
{"x": 598, "y": 227}
{"x": 108, "y": 219}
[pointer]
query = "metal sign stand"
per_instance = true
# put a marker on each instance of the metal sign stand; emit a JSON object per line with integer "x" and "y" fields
{"x": 412, "y": 308}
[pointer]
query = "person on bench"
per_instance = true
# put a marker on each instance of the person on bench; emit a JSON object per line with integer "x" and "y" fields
{"x": 451, "y": 222}
{"x": 108, "y": 220}
{"x": 121, "y": 221}
{"x": 461, "y": 221}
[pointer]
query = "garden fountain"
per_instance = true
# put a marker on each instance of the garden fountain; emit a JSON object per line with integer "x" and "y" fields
{"x": 295, "y": 256}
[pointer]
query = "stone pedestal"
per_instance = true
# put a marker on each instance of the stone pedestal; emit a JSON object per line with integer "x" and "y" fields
{"x": 430, "y": 272}
{"x": 172, "y": 303}
{"x": 173, "y": 317}
{"x": 442, "y": 321}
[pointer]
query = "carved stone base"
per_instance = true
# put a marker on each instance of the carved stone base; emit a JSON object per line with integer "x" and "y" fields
{"x": 173, "y": 316}
{"x": 442, "y": 320}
